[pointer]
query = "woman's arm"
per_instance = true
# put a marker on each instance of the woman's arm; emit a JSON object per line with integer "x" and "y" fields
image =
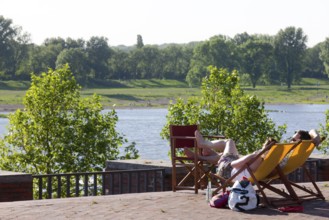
{"x": 315, "y": 136}
{"x": 237, "y": 164}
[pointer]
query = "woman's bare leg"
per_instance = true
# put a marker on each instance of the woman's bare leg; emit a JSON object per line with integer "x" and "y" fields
{"x": 230, "y": 147}
{"x": 210, "y": 158}
{"x": 208, "y": 146}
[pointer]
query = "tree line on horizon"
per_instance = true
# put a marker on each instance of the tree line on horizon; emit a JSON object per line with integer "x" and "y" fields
{"x": 260, "y": 59}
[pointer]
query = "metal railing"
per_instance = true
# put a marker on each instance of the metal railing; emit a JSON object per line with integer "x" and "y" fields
{"x": 50, "y": 186}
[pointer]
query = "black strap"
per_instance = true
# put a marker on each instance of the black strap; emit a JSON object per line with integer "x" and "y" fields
{"x": 240, "y": 191}
{"x": 237, "y": 205}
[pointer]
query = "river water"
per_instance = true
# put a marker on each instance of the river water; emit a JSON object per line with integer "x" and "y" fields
{"x": 143, "y": 126}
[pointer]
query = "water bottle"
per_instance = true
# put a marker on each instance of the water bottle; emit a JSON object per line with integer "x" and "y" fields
{"x": 208, "y": 192}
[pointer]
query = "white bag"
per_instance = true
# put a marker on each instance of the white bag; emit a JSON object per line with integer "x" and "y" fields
{"x": 243, "y": 196}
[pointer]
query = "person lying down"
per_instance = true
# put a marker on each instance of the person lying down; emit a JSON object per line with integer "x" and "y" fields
{"x": 224, "y": 153}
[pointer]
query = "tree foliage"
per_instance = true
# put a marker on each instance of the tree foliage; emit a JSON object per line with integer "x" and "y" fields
{"x": 78, "y": 63}
{"x": 219, "y": 51}
{"x": 58, "y": 131}
{"x": 225, "y": 109}
{"x": 14, "y": 46}
{"x": 324, "y": 131}
{"x": 257, "y": 57}
{"x": 96, "y": 61}
{"x": 290, "y": 46}
{"x": 140, "y": 43}
{"x": 324, "y": 55}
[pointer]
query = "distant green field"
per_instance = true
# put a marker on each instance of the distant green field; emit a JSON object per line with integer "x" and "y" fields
{"x": 307, "y": 91}
{"x": 158, "y": 93}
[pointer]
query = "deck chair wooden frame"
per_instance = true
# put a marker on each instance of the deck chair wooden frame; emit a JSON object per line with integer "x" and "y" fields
{"x": 274, "y": 154}
{"x": 297, "y": 159}
{"x": 183, "y": 136}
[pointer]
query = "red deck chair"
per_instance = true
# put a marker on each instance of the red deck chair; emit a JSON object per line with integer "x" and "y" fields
{"x": 197, "y": 170}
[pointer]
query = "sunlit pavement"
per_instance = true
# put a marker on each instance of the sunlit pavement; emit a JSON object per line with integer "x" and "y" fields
{"x": 157, "y": 205}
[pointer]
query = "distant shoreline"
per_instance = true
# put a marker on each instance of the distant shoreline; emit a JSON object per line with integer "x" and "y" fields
{"x": 9, "y": 107}
{"x": 14, "y": 107}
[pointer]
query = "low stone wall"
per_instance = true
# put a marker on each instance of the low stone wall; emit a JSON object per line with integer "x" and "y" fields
{"x": 321, "y": 171}
{"x": 15, "y": 186}
{"x": 317, "y": 164}
{"x": 140, "y": 165}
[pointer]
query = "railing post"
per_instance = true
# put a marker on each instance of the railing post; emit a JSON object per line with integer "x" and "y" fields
{"x": 68, "y": 186}
{"x": 59, "y": 187}
{"x": 95, "y": 185}
{"x": 49, "y": 187}
{"x": 120, "y": 183}
{"x": 103, "y": 183}
{"x": 86, "y": 185}
{"x": 40, "y": 187}
{"x": 155, "y": 181}
{"x": 77, "y": 177}
{"x": 163, "y": 176}
{"x": 129, "y": 183}
{"x": 138, "y": 182}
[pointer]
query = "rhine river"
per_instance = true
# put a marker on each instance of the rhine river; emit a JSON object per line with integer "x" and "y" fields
{"x": 143, "y": 126}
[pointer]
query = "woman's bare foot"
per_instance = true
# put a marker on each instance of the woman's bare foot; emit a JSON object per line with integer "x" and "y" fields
{"x": 202, "y": 143}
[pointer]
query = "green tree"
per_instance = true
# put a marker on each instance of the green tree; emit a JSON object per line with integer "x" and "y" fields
{"x": 71, "y": 43}
{"x": 140, "y": 43}
{"x": 145, "y": 63}
{"x": 151, "y": 63}
{"x": 13, "y": 49}
{"x": 7, "y": 34}
{"x": 256, "y": 58}
{"x": 119, "y": 65}
{"x": 290, "y": 45}
{"x": 225, "y": 109}
{"x": 219, "y": 51}
{"x": 242, "y": 38}
{"x": 176, "y": 61}
{"x": 324, "y": 131}
{"x": 43, "y": 57}
{"x": 20, "y": 48}
{"x": 77, "y": 58}
{"x": 312, "y": 64}
{"x": 99, "y": 54}
{"x": 324, "y": 55}
{"x": 58, "y": 132}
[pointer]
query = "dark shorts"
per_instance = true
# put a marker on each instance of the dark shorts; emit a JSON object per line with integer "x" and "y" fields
{"x": 224, "y": 165}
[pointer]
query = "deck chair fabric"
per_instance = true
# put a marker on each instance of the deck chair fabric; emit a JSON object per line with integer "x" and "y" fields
{"x": 274, "y": 154}
{"x": 297, "y": 159}
{"x": 198, "y": 170}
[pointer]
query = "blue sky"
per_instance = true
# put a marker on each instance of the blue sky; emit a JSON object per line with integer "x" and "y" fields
{"x": 165, "y": 21}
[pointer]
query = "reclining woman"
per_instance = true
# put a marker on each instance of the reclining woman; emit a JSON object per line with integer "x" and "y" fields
{"x": 225, "y": 154}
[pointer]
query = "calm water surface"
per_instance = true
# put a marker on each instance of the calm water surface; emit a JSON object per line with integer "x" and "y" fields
{"x": 143, "y": 126}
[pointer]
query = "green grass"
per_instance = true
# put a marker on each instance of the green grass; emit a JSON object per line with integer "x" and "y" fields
{"x": 143, "y": 83}
{"x": 141, "y": 97}
{"x": 14, "y": 85}
{"x": 308, "y": 94}
{"x": 158, "y": 93}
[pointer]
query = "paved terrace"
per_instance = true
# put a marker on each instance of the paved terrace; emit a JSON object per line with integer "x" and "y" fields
{"x": 155, "y": 205}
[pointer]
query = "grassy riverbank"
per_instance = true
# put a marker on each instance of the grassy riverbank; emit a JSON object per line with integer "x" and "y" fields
{"x": 158, "y": 93}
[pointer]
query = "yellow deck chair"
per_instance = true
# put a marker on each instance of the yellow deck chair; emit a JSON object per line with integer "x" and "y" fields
{"x": 274, "y": 155}
{"x": 271, "y": 160}
{"x": 297, "y": 159}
